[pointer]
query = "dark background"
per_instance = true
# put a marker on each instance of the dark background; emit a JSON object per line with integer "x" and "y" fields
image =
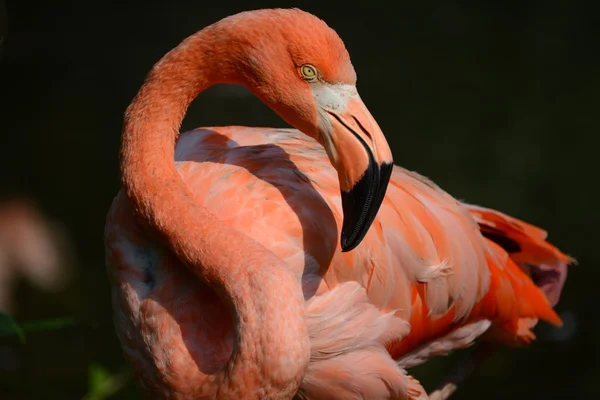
{"x": 496, "y": 101}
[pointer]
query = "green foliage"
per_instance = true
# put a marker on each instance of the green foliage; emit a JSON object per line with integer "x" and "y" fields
{"x": 102, "y": 384}
{"x": 98, "y": 376}
{"x": 48, "y": 324}
{"x": 9, "y": 327}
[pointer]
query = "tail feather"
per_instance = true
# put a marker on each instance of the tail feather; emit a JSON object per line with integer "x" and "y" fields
{"x": 513, "y": 293}
{"x": 528, "y": 274}
{"x": 524, "y": 242}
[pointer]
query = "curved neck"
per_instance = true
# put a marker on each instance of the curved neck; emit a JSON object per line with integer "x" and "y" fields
{"x": 266, "y": 299}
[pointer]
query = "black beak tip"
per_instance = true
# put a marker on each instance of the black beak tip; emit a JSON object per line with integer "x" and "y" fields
{"x": 347, "y": 245}
{"x": 361, "y": 204}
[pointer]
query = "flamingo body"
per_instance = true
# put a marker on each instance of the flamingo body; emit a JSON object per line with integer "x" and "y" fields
{"x": 424, "y": 280}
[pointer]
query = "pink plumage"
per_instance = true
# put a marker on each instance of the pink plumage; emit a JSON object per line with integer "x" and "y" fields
{"x": 230, "y": 276}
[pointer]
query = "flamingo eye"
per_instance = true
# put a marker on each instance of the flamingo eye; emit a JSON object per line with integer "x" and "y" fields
{"x": 308, "y": 72}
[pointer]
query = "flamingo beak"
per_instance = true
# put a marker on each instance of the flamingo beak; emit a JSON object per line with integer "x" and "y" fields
{"x": 361, "y": 155}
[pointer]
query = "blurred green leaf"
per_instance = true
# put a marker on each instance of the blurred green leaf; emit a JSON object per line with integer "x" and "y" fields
{"x": 98, "y": 376}
{"x": 9, "y": 327}
{"x": 102, "y": 383}
{"x": 48, "y": 324}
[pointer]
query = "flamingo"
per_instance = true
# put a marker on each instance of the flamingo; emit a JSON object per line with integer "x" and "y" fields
{"x": 263, "y": 263}
{"x": 32, "y": 248}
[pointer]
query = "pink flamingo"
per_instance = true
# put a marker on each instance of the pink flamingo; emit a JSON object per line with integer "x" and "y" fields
{"x": 229, "y": 277}
{"x": 31, "y": 248}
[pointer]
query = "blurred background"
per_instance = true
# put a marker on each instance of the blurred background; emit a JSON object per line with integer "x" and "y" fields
{"x": 496, "y": 101}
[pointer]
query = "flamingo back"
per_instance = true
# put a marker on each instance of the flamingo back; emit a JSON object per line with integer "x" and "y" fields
{"x": 425, "y": 258}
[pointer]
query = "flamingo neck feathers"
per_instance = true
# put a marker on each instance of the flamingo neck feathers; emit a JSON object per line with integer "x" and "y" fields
{"x": 266, "y": 300}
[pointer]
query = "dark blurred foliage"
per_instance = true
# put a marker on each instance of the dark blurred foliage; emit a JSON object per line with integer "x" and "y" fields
{"x": 496, "y": 101}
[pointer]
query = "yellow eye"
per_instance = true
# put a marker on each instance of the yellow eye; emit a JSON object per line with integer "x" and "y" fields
{"x": 308, "y": 72}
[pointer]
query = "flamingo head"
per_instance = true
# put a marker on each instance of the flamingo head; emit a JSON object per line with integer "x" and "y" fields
{"x": 300, "y": 67}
